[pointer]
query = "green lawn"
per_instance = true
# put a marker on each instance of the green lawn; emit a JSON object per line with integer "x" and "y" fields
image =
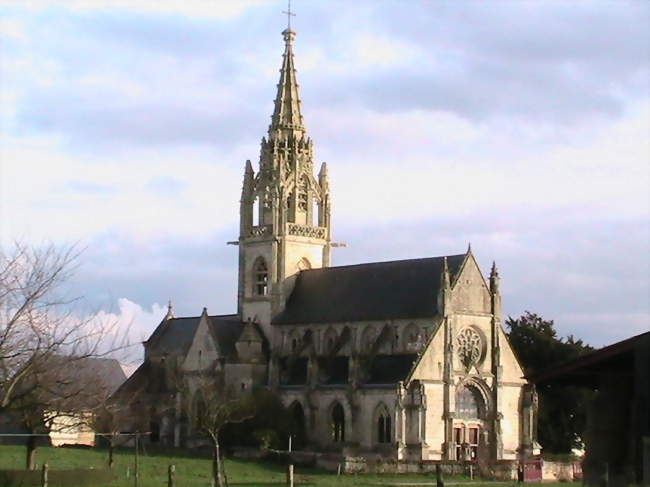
{"x": 192, "y": 471}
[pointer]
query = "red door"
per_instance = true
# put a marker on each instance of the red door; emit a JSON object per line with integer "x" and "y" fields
{"x": 533, "y": 470}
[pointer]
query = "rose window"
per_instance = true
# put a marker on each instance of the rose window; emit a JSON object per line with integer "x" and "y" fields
{"x": 470, "y": 347}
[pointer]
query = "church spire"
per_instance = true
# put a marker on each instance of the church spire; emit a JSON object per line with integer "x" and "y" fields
{"x": 287, "y": 117}
{"x": 285, "y": 208}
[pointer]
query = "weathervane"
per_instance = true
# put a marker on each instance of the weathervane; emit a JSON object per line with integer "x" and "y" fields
{"x": 289, "y": 15}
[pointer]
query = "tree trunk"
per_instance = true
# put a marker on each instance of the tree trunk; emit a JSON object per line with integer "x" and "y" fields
{"x": 111, "y": 443}
{"x": 217, "y": 476}
{"x": 30, "y": 463}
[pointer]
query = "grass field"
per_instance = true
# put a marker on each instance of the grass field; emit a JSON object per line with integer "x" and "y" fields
{"x": 194, "y": 471}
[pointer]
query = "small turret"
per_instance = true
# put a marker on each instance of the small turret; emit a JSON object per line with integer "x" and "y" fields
{"x": 446, "y": 278}
{"x": 444, "y": 294}
{"x": 248, "y": 175}
{"x": 495, "y": 292}
{"x": 323, "y": 176}
{"x": 170, "y": 311}
{"x": 494, "y": 279}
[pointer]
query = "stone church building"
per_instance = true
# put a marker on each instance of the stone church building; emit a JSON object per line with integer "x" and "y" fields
{"x": 403, "y": 360}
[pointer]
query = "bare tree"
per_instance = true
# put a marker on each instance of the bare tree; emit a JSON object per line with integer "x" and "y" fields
{"x": 43, "y": 340}
{"x": 111, "y": 416}
{"x": 221, "y": 406}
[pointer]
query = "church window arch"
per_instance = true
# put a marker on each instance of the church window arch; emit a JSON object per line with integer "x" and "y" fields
{"x": 289, "y": 202}
{"x": 257, "y": 211}
{"x": 298, "y": 424}
{"x": 337, "y": 422}
{"x": 303, "y": 193}
{"x": 383, "y": 422}
{"x": 469, "y": 402}
{"x": 198, "y": 408}
{"x": 260, "y": 277}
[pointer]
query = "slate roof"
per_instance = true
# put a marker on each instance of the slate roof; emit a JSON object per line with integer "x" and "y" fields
{"x": 374, "y": 291}
{"x": 175, "y": 335}
{"x": 106, "y": 373}
{"x": 390, "y": 369}
{"x": 149, "y": 377}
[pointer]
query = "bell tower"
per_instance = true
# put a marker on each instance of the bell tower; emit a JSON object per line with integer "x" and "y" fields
{"x": 284, "y": 208}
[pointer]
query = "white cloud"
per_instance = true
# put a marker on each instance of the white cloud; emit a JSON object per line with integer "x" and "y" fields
{"x": 133, "y": 321}
{"x": 219, "y": 9}
{"x": 38, "y": 202}
{"x": 372, "y": 50}
{"x": 603, "y": 328}
{"x": 137, "y": 126}
{"x": 12, "y": 28}
{"x": 447, "y": 166}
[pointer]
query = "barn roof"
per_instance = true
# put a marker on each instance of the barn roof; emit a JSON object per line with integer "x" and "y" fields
{"x": 373, "y": 291}
{"x": 618, "y": 358}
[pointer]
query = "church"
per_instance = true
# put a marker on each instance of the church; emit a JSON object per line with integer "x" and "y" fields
{"x": 403, "y": 361}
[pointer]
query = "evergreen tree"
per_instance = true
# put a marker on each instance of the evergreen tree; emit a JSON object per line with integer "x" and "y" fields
{"x": 562, "y": 408}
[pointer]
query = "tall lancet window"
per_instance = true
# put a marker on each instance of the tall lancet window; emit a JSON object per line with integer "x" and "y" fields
{"x": 289, "y": 206}
{"x": 338, "y": 424}
{"x": 303, "y": 194}
{"x": 261, "y": 277}
{"x": 384, "y": 430}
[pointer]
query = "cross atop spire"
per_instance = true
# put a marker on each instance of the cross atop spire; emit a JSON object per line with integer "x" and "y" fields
{"x": 289, "y": 15}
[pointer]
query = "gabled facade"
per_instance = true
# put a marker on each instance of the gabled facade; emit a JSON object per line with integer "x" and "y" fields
{"x": 402, "y": 360}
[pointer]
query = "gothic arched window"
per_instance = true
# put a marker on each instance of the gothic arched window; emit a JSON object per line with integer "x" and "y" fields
{"x": 384, "y": 430}
{"x": 261, "y": 277}
{"x": 303, "y": 194}
{"x": 338, "y": 423}
{"x": 469, "y": 403}
{"x": 198, "y": 409}
{"x": 298, "y": 422}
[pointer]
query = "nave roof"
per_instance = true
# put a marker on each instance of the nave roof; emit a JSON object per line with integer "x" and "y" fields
{"x": 373, "y": 291}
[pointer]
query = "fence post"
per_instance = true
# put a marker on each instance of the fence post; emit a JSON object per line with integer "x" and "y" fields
{"x": 135, "y": 466}
{"x": 290, "y": 468}
{"x": 171, "y": 476}
{"x": 290, "y": 476}
{"x": 44, "y": 475}
{"x": 439, "y": 481}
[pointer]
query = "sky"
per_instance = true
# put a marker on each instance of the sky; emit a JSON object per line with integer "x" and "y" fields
{"x": 519, "y": 126}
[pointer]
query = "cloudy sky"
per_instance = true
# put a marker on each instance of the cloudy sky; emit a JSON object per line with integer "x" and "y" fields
{"x": 519, "y": 126}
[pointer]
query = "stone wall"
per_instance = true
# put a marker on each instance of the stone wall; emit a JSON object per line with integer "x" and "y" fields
{"x": 560, "y": 471}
